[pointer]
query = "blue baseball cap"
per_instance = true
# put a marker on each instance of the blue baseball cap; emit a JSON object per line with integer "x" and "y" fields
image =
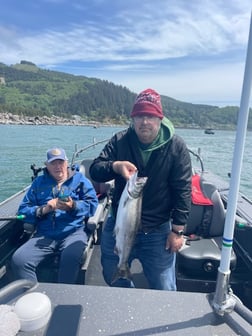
{"x": 56, "y": 154}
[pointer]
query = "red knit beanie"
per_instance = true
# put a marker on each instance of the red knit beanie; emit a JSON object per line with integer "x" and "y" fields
{"x": 148, "y": 102}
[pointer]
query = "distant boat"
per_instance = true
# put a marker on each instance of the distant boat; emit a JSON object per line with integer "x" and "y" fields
{"x": 209, "y": 131}
{"x": 96, "y": 126}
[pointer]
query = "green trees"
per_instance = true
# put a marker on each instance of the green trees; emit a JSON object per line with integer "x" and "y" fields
{"x": 31, "y": 91}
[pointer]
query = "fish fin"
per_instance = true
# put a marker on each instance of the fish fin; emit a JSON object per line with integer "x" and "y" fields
{"x": 125, "y": 201}
{"x": 116, "y": 250}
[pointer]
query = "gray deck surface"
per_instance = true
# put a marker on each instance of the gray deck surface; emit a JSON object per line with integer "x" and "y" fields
{"x": 94, "y": 272}
{"x": 119, "y": 311}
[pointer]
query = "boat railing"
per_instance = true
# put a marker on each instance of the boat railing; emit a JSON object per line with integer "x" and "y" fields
{"x": 197, "y": 155}
{"x": 79, "y": 151}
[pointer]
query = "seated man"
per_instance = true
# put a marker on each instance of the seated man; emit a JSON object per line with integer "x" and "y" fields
{"x": 57, "y": 203}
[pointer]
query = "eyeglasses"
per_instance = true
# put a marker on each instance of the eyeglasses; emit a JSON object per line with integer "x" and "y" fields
{"x": 148, "y": 118}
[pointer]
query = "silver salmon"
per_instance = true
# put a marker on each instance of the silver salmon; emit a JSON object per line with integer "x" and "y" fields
{"x": 127, "y": 223}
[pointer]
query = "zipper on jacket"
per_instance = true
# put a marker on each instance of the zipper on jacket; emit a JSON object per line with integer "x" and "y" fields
{"x": 53, "y": 219}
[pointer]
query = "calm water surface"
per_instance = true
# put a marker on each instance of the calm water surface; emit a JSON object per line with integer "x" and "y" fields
{"x": 23, "y": 145}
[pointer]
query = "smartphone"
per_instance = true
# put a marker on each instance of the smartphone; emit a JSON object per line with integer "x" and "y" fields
{"x": 63, "y": 198}
{"x": 64, "y": 321}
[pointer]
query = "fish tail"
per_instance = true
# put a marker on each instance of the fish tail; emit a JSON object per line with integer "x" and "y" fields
{"x": 120, "y": 273}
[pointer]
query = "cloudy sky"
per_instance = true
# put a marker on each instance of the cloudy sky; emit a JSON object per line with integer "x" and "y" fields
{"x": 192, "y": 51}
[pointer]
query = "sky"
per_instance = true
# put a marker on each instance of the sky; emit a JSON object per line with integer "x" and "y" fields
{"x": 190, "y": 50}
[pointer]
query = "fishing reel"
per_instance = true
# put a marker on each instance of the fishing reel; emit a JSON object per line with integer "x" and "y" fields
{"x": 35, "y": 170}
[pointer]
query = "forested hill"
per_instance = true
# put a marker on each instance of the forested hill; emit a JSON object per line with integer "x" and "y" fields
{"x": 28, "y": 90}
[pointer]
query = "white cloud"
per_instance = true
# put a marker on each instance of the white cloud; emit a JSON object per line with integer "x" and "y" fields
{"x": 154, "y": 34}
{"x": 190, "y": 49}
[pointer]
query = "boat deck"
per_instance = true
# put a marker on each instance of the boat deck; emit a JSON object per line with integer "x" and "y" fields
{"x": 103, "y": 311}
{"x": 93, "y": 275}
{"x": 96, "y": 309}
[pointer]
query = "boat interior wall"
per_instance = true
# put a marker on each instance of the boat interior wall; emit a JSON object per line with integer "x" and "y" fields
{"x": 12, "y": 234}
{"x": 243, "y": 246}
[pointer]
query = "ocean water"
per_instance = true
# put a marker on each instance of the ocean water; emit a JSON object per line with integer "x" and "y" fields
{"x": 24, "y": 145}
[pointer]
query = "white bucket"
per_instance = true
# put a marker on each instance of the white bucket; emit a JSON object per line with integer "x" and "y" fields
{"x": 33, "y": 310}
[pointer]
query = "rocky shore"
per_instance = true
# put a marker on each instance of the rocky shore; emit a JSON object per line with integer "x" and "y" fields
{"x": 13, "y": 119}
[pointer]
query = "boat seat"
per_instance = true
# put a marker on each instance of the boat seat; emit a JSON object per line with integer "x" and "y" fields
{"x": 207, "y": 220}
{"x": 47, "y": 270}
{"x": 201, "y": 252}
{"x": 102, "y": 188}
{"x": 103, "y": 191}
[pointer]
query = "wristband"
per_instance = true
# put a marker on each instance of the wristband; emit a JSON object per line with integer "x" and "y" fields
{"x": 179, "y": 232}
{"x": 39, "y": 211}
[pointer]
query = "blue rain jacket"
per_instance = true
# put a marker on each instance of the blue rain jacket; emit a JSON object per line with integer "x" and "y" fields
{"x": 58, "y": 224}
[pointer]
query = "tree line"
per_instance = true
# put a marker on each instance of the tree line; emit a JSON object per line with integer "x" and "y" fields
{"x": 32, "y": 91}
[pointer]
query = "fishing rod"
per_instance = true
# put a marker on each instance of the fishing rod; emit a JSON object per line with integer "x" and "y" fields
{"x": 19, "y": 217}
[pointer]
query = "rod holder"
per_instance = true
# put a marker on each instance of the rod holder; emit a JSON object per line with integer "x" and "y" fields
{"x": 223, "y": 300}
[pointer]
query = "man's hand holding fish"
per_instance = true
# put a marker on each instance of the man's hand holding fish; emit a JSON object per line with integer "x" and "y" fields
{"x": 124, "y": 168}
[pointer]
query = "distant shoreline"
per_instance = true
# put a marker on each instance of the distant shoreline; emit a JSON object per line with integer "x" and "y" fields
{"x": 13, "y": 119}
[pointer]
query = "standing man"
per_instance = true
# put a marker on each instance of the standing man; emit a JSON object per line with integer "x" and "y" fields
{"x": 150, "y": 146}
{"x": 58, "y": 203}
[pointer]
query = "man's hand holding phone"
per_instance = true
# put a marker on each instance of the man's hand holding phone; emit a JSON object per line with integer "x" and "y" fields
{"x": 65, "y": 203}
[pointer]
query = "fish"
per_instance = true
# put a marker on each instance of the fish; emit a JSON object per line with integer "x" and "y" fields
{"x": 128, "y": 220}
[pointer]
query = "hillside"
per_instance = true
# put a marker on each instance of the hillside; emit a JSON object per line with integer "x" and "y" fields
{"x": 26, "y": 90}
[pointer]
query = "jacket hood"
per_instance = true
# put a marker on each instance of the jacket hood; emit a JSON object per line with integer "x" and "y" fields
{"x": 167, "y": 129}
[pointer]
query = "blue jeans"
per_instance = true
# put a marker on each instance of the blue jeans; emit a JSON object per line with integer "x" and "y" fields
{"x": 157, "y": 262}
{"x": 28, "y": 256}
